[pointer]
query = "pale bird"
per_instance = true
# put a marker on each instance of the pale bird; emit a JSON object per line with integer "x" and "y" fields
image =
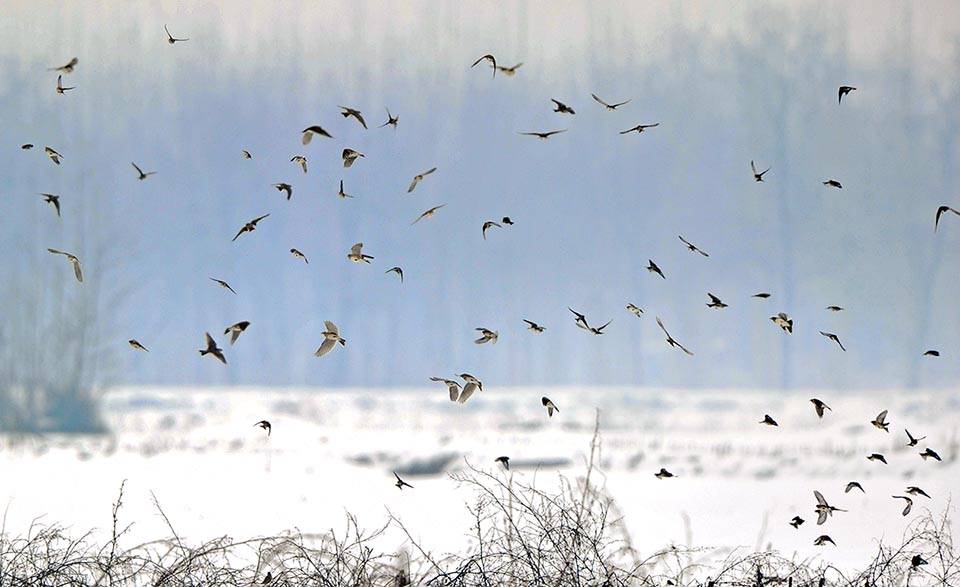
{"x": 834, "y": 338}
{"x": 509, "y": 71}
{"x": 235, "y": 330}
{"x": 471, "y": 384}
{"x": 487, "y": 335}
{"x": 296, "y": 253}
{"x": 880, "y": 422}
{"x": 391, "y": 120}
{"x": 784, "y": 322}
{"x": 68, "y": 68}
{"x": 908, "y": 504}
{"x": 418, "y": 178}
{"x": 342, "y": 194}
{"x": 331, "y": 336}
{"x": 453, "y": 387}
{"x": 223, "y": 284}
{"x": 60, "y": 88}
{"x": 636, "y": 311}
{"x": 610, "y": 107}
{"x": 301, "y": 160}
{"x": 356, "y": 254}
{"x": 428, "y": 214}
{"x": 54, "y": 156}
{"x": 74, "y": 260}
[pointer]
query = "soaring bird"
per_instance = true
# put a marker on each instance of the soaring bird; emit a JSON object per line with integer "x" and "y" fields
{"x": 347, "y": 112}
{"x": 880, "y": 422}
{"x": 940, "y": 212}
{"x": 68, "y": 68}
{"x": 235, "y": 330}
{"x": 877, "y": 457}
{"x": 931, "y": 353}
{"x": 349, "y": 156}
{"x": 60, "y": 88}
{"x": 551, "y": 408}
{"x": 768, "y": 420}
{"x": 715, "y": 302}
{"x": 832, "y": 183}
{"x": 843, "y": 91}
{"x": 930, "y": 453}
{"x": 314, "y": 130}
{"x": 54, "y": 156}
{"x": 561, "y": 107}
{"x": 652, "y": 268}
{"x": 284, "y": 187}
{"x": 819, "y": 406}
{"x": 834, "y": 308}
{"x": 610, "y": 107}
{"x": 223, "y": 284}
{"x": 418, "y": 178}
{"x": 213, "y": 349}
{"x": 914, "y": 490}
{"x": 266, "y": 426}
{"x": 663, "y": 474}
{"x": 505, "y": 461}
{"x": 692, "y": 247}
{"x": 543, "y": 135}
{"x": 670, "y": 340}
{"x": 331, "y": 336}
{"x": 486, "y": 225}
{"x": 342, "y": 194}
{"x": 356, "y": 254}
{"x": 908, "y": 506}
{"x": 762, "y": 295}
{"x": 301, "y": 160}
{"x": 470, "y": 385}
{"x": 250, "y": 226}
{"x": 74, "y": 260}
{"x": 296, "y": 253}
{"x": 487, "y": 335}
{"x": 834, "y": 338}
{"x": 757, "y": 176}
{"x": 52, "y": 199}
{"x": 534, "y": 326}
{"x": 639, "y": 128}
{"x": 634, "y": 310}
{"x": 170, "y": 38}
{"x": 428, "y": 214}
{"x": 136, "y": 345}
{"x": 911, "y": 440}
{"x": 823, "y": 539}
{"x": 853, "y": 485}
{"x": 391, "y": 120}
{"x": 401, "y": 483}
{"x": 396, "y": 270}
{"x": 797, "y": 521}
{"x": 509, "y": 71}
{"x": 140, "y": 174}
{"x": 823, "y": 509}
{"x": 783, "y": 321}
{"x": 489, "y": 58}
{"x": 453, "y": 387}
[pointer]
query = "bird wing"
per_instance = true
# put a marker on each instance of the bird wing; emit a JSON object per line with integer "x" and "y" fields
{"x": 605, "y": 325}
{"x": 413, "y": 184}
{"x": 595, "y": 97}
{"x": 662, "y": 327}
{"x": 355, "y": 249}
{"x": 77, "y": 272}
{"x": 56, "y": 252}
{"x": 468, "y": 390}
{"x": 325, "y": 347}
{"x": 256, "y": 220}
{"x": 882, "y": 416}
{"x": 714, "y": 299}
{"x": 819, "y": 496}
{"x": 753, "y": 167}
{"x": 211, "y": 344}
{"x": 234, "y": 336}
{"x": 331, "y": 327}
{"x": 619, "y": 104}
{"x": 140, "y": 171}
{"x": 166, "y": 30}
{"x": 453, "y": 389}
{"x": 821, "y": 517}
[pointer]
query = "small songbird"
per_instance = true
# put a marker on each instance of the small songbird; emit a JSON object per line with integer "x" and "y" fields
{"x": 249, "y": 226}
{"x": 543, "y": 135}
{"x": 784, "y": 322}
{"x": 853, "y": 485}
{"x": 880, "y": 422}
{"x": 487, "y": 335}
{"x": 396, "y": 270}
{"x": 453, "y": 387}
{"x": 313, "y": 130}
{"x": 349, "y": 156}
{"x": 509, "y": 71}
{"x": 931, "y": 353}
{"x": 757, "y": 175}
{"x": 843, "y": 91}
{"x": 486, "y": 225}
{"x": 223, "y": 284}
{"x": 692, "y": 247}
{"x": 505, "y": 461}
{"x": 296, "y": 253}
{"x": 266, "y": 426}
{"x": 342, "y": 194}
{"x": 823, "y": 539}
{"x": 170, "y": 38}
{"x": 391, "y": 120}
{"x": 140, "y": 174}
{"x": 347, "y": 112}
{"x": 246, "y": 154}
{"x": 471, "y": 384}
{"x": 940, "y": 212}
{"x": 877, "y": 457}
{"x": 914, "y": 490}
{"x": 670, "y": 340}
{"x": 213, "y": 349}
{"x": 913, "y": 441}
{"x": 491, "y": 59}
{"x": 663, "y": 474}
{"x": 819, "y": 406}
{"x": 634, "y": 310}
{"x": 823, "y": 509}
{"x": 834, "y": 338}
{"x": 834, "y": 308}
{"x": 561, "y": 107}
{"x": 331, "y": 336}
{"x": 652, "y": 268}
{"x": 551, "y": 408}
{"x": 401, "y": 483}
{"x": 797, "y": 521}
{"x": 762, "y": 295}
{"x": 68, "y": 68}
{"x": 715, "y": 302}
{"x": 74, "y": 260}
{"x": 769, "y": 421}
{"x": 639, "y": 128}
{"x": 928, "y": 453}
{"x": 418, "y": 178}
{"x": 610, "y": 107}
{"x": 52, "y": 199}
{"x": 235, "y": 330}
{"x": 54, "y": 156}
{"x": 136, "y": 345}
{"x": 534, "y": 326}
{"x": 428, "y": 214}
{"x": 356, "y": 254}
{"x": 301, "y": 160}
{"x": 60, "y": 88}
{"x": 832, "y": 183}
{"x": 908, "y": 506}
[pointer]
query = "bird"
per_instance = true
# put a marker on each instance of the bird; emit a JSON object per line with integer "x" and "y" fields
{"x": 313, "y": 130}
{"x": 877, "y": 457}
{"x": 331, "y": 336}
{"x": 663, "y": 474}
{"x": 931, "y": 353}
{"x": 880, "y": 422}
{"x": 928, "y": 453}
{"x": 768, "y": 420}
{"x": 250, "y": 226}
{"x": 823, "y": 539}
{"x": 418, "y": 178}
{"x": 401, "y": 483}
{"x": 60, "y": 88}
{"x": 453, "y": 387}
{"x": 140, "y": 174}
{"x": 509, "y": 71}
{"x": 235, "y": 330}
{"x": 853, "y": 485}
{"x": 136, "y": 345}
{"x": 634, "y": 310}
{"x": 223, "y": 284}
{"x": 832, "y": 183}
{"x": 639, "y": 128}
{"x": 762, "y": 295}
{"x": 783, "y": 321}
{"x": 213, "y": 349}
{"x": 491, "y": 59}
{"x": 843, "y": 91}
{"x": 906, "y": 508}
{"x": 834, "y": 308}
{"x": 692, "y": 247}
{"x": 940, "y": 212}
{"x": 581, "y": 320}
{"x": 913, "y": 441}
{"x": 470, "y": 385}
{"x": 396, "y": 270}
{"x": 610, "y": 107}
{"x": 757, "y": 176}
{"x": 486, "y": 225}
{"x": 428, "y": 214}
{"x": 347, "y": 112}
{"x": 823, "y": 509}
{"x": 26, "y": 146}
{"x": 52, "y": 199}
{"x": 834, "y": 338}
{"x": 561, "y": 107}
{"x": 246, "y": 154}
{"x": 506, "y": 220}
{"x": 284, "y": 187}
{"x": 670, "y": 340}
{"x": 266, "y": 426}
{"x": 917, "y": 560}
{"x": 349, "y": 156}
{"x": 269, "y": 576}
{"x": 296, "y": 253}
{"x": 487, "y": 335}
{"x": 54, "y": 156}
{"x": 73, "y": 259}
{"x": 356, "y": 254}
{"x": 534, "y": 326}
{"x": 505, "y": 461}
{"x": 715, "y": 302}
{"x": 551, "y": 408}
{"x": 797, "y": 521}
{"x": 342, "y": 194}
{"x": 914, "y": 490}
{"x": 68, "y": 68}
{"x": 652, "y": 268}
{"x": 391, "y": 120}
{"x": 170, "y": 38}
{"x": 819, "y": 406}
{"x": 301, "y": 160}
{"x": 543, "y": 135}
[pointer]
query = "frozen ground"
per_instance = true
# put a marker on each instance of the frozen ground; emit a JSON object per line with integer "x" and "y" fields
{"x": 332, "y": 451}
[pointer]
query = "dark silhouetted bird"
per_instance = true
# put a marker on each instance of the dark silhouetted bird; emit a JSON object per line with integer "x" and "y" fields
{"x": 551, "y": 408}
{"x": 762, "y": 295}
{"x": 491, "y": 59}
{"x": 663, "y": 474}
{"x": 940, "y": 212}
{"x": 908, "y": 506}
{"x": 396, "y": 270}
{"x": 401, "y": 483}
{"x": 543, "y": 135}
{"x": 823, "y": 539}
{"x": 505, "y": 461}
{"x": 853, "y": 485}
{"x": 349, "y": 156}
{"x": 506, "y": 220}
{"x": 715, "y": 302}
{"x": 235, "y": 330}
{"x": 670, "y": 340}
{"x": 932, "y": 353}
{"x": 797, "y": 521}
{"x": 652, "y": 268}
{"x": 170, "y": 38}
{"x": 911, "y": 440}
{"x": 561, "y": 107}
{"x": 843, "y": 91}
{"x": 639, "y": 128}
{"x": 250, "y": 226}
{"x": 834, "y": 308}
{"x": 768, "y": 420}
{"x": 246, "y": 154}
{"x": 223, "y": 284}
{"x": 313, "y": 130}
{"x": 486, "y": 225}
{"x": 296, "y": 253}
{"x": 832, "y": 183}
{"x": 914, "y": 490}
{"x": 534, "y": 326}
{"x": 917, "y": 560}
{"x": 930, "y": 453}
{"x": 60, "y": 88}
{"x": 757, "y": 175}
{"x": 834, "y": 338}
{"x": 391, "y": 120}
{"x": 692, "y": 247}
{"x": 213, "y": 349}
{"x": 819, "y": 406}
{"x": 266, "y": 426}
{"x": 140, "y": 174}
{"x": 342, "y": 194}
{"x": 610, "y": 107}
{"x": 26, "y": 146}
{"x": 136, "y": 345}
{"x": 53, "y": 199}
{"x": 877, "y": 457}
{"x": 284, "y": 187}
{"x": 354, "y": 113}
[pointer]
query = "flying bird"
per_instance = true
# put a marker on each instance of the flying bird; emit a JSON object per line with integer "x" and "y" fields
{"x": 877, "y": 457}
{"x": 610, "y": 107}
{"x": 347, "y": 112}
{"x": 917, "y": 560}
{"x": 284, "y": 187}
{"x": 940, "y": 212}
{"x": 832, "y": 183}
{"x": 487, "y": 335}
{"x": 68, "y": 68}
{"x": 769, "y": 421}
{"x": 26, "y": 146}
{"x": 757, "y": 176}
{"x": 301, "y": 160}
{"x": 543, "y": 135}
{"x": 140, "y": 174}
{"x": 797, "y": 521}
{"x": 639, "y": 128}
{"x": 491, "y": 59}
{"x": 453, "y": 387}
{"x": 715, "y": 302}
{"x": 505, "y": 461}
{"x": 581, "y": 320}
{"x": 223, "y": 284}
{"x": 60, "y": 88}
{"x": 313, "y": 130}
{"x": 52, "y": 199}
{"x": 54, "y": 156}
{"x": 914, "y": 490}
{"x": 170, "y": 38}
{"x": 534, "y": 326}
{"x": 819, "y": 406}
{"x": 908, "y": 506}
{"x": 652, "y": 268}
{"x": 561, "y": 107}
{"x": 762, "y": 295}
{"x": 634, "y": 310}
{"x": 663, "y": 474}
{"x": 349, "y": 156}
{"x": 509, "y": 71}
{"x": 834, "y": 308}
{"x": 396, "y": 270}
{"x": 486, "y": 225}
{"x": 853, "y": 485}
{"x": 418, "y": 178}
{"x": 913, "y": 441}
{"x": 391, "y": 120}
{"x": 74, "y": 260}
{"x": 246, "y": 154}
{"x": 931, "y": 353}
{"x": 235, "y": 330}
{"x": 250, "y": 226}
{"x": 342, "y": 194}
{"x": 670, "y": 340}
{"x": 266, "y": 426}
{"x": 880, "y": 422}
{"x": 428, "y": 214}
{"x": 136, "y": 345}
{"x": 356, "y": 254}
{"x": 843, "y": 91}
{"x": 213, "y": 349}
{"x": 784, "y": 322}
{"x": 823, "y": 509}
{"x": 471, "y": 384}
{"x": 296, "y": 253}
{"x": 401, "y": 483}
{"x": 551, "y": 408}
{"x": 692, "y": 247}
{"x": 823, "y": 539}
{"x": 834, "y": 338}
{"x": 930, "y": 453}
{"x": 331, "y": 336}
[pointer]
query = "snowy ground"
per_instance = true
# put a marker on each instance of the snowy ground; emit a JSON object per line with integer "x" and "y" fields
{"x": 332, "y": 451}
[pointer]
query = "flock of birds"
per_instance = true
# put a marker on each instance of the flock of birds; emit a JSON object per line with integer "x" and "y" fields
{"x": 461, "y": 393}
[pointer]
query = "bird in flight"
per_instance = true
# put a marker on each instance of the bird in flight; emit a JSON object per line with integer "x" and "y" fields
{"x": 301, "y": 160}
{"x": 853, "y": 485}
{"x": 692, "y": 247}
{"x": 543, "y": 135}
{"x": 551, "y": 408}
{"x": 453, "y": 387}
{"x": 581, "y": 320}
{"x": 880, "y": 422}
{"x": 284, "y": 187}
{"x": 428, "y": 214}
{"x": 834, "y": 338}
{"x": 342, "y": 194}
{"x": 246, "y": 154}
{"x": 914, "y": 490}
{"x": 266, "y": 426}
{"x": 391, "y": 120}
{"x": 762, "y": 295}
{"x": 715, "y": 302}
{"x": 784, "y": 322}
{"x": 26, "y": 146}
{"x": 313, "y": 130}
{"x": 931, "y": 353}
{"x": 930, "y": 453}
{"x": 823, "y": 509}
{"x": 534, "y": 326}
{"x": 506, "y": 220}
{"x": 487, "y": 335}
{"x": 250, "y": 226}
{"x": 356, "y": 254}
{"x": 561, "y": 107}
{"x": 223, "y": 284}
{"x": 235, "y": 330}
{"x": 940, "y": 212}
{"x": 639, "y": 128}
{"x": 136, "y": 345}
{"x": 213, "y": 349}
{"x": 509, "y": 71}
{"x": 486, "y": 225}
{"x": 401, "y": 483}
{"x": 331, "y": 336}
{"x": 670, "y": 340}
{"x": 471, "y": 384}
{"x": 349, "y": 156}
{"x": 489, "y": 58}
{"x": 911, "y": 440}
{"x": 170, "y": 38}
{"x": 347, "y": 112}
{"x": 834, "y": 308}
{"x": 60, "y": 88}
{"x": 54, "y": 156}
{"x": 908, "y": 506}
{"x": 663, "y": 474}
{"x": 418, "y": 178}
{"x": 843, "y": 91}
{"x": 74, "y": 260}
{"x": 52, "y": 199}
{"x": 396, "y": 270}
{"x": 505, "y": 461}
{"x": 797, "y": 521}
{"x": 633, "y": 309}
{"x": 296, "y": 253}
{"x": 875, "y": 456}
{"x": 757, "y": 176}
{"x": 768, "y": 420}
{"x": 652, "y": 268}
{"x": 832, "y": 183}
{"x": 68, "y": 68}
{"x": 140, "y": 174}
{"x": 610, "y": 107}
{"x": 823, "y": 539}
{"x": 819, "y": 406}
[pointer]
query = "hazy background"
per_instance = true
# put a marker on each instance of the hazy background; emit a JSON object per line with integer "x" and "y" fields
{"x": 729, "y": 83}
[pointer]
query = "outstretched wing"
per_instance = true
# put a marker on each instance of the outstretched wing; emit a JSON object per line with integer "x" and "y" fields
{"x": 819, "y": 496}
{"x": 325, "y": 347}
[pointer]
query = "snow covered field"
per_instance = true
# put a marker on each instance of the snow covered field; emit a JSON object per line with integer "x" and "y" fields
{"x": 332, "y": 451}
